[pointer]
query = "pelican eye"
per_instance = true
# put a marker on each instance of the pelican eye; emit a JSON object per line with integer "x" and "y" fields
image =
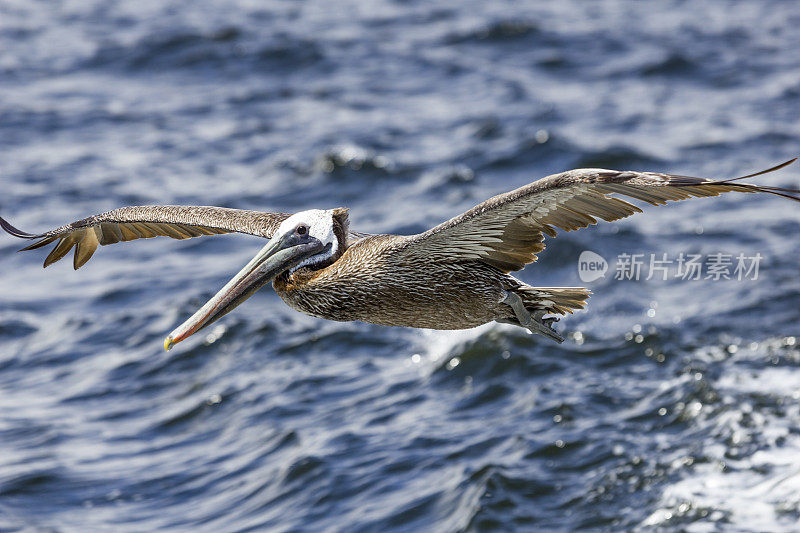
{"x": 302, "y": 230}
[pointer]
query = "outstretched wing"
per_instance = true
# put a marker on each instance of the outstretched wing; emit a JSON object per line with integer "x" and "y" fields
{"x": 507, "y": 231}
{"x": 143, "y": 222}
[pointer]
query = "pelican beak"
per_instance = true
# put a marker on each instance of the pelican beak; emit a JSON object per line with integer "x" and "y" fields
{"x": 281, "y": 253}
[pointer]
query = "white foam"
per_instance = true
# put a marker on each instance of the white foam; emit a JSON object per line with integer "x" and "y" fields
{"x": 435, "y": 346}
{"x": 758, "y": 492}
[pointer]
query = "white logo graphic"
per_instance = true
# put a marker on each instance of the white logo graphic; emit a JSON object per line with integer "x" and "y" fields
{"x": 591, "y": 266}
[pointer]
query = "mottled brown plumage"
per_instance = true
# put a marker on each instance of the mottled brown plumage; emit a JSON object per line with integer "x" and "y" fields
{"x": 453, "y": 276}
{"x": 374, "y": 282}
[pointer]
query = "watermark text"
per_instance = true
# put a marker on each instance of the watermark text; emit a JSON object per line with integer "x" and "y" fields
{"x": 661, "y": 266}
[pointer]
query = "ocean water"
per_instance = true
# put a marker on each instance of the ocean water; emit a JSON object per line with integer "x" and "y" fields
{"x": 673, "y": 405}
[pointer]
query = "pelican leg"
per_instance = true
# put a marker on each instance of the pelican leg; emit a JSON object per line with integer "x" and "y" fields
{"x": 533, "y": 321}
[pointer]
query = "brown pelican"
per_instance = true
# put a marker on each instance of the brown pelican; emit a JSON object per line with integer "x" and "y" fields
{"x": 453, "y": 276}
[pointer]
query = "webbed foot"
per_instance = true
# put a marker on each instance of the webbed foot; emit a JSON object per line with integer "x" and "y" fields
{"x": 535, "y": 322}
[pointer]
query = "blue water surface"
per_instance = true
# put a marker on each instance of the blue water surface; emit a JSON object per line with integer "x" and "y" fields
{"x": 674, "y": 404}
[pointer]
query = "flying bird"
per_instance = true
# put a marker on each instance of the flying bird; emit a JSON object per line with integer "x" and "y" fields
{"x": 453, "y": 276}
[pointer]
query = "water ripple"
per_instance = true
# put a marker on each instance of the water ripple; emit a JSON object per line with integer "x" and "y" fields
{"x": 671, "y": 405}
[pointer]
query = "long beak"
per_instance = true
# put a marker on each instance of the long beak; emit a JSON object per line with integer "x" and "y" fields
{"x": 279, "y": 255}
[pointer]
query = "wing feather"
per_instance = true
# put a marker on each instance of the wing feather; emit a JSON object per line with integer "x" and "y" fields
{"x": 507, "y": 231}
{"x": 144, "y": 222}
{"x": 61, "y": 249}
{"x": 85, "y": 246}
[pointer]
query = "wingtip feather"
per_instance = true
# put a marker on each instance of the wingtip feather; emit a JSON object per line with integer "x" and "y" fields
{"x": 16, "y": 232}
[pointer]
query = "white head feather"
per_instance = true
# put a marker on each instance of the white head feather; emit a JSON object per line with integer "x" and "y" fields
{"x": 320, "y": 226}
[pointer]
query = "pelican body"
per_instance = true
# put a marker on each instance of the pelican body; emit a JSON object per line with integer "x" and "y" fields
{"x": 370, "y": 283}
{"x": 453, "y": 276}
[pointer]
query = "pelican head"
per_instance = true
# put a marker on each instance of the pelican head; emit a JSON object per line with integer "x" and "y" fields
{"x": 305, "y": 239}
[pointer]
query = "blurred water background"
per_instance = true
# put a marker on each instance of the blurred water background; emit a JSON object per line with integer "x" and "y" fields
{"x": 673, "y": 404}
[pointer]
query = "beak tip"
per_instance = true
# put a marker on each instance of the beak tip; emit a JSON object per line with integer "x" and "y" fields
{"x": 168, "y": 342}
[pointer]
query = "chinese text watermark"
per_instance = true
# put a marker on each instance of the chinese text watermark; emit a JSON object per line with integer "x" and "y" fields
{"x": 660, "y": 266}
